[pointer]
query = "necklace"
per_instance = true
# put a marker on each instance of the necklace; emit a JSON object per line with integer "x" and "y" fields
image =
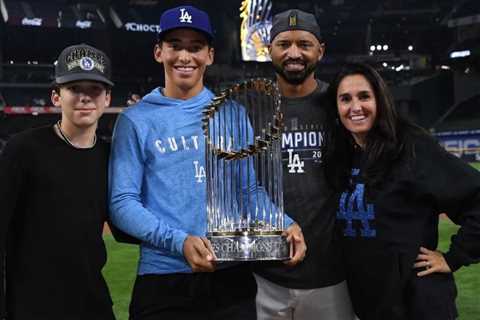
{"x": 58, "y": 125}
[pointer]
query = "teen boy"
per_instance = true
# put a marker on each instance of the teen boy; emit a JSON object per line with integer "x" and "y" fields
{"x": 53, "y": 188}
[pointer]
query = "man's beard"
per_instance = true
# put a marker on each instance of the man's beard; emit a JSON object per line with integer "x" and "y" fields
{"x": 294, "y": 77}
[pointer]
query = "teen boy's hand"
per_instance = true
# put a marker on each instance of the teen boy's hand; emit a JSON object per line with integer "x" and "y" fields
{"x": 298, "y": 247}
{"x": 199, "y": 254}
{"x": 134, "y": 98}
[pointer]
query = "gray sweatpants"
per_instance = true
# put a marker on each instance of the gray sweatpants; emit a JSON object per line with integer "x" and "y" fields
{"x": 275, "y": 302}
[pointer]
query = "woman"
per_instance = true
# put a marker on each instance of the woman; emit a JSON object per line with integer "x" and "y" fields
{"x": 393, "y": 180}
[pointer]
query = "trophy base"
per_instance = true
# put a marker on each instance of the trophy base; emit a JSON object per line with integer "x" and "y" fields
{"x": 249, "y": 246}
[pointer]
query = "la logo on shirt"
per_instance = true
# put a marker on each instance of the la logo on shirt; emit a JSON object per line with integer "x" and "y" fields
{"x": 295, "y": 165}
{"x": 200, "y": 174}
{"x": 353, "y": 207}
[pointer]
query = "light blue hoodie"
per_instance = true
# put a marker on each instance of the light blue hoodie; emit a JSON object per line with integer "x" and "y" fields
{"x": 157, "y": 183}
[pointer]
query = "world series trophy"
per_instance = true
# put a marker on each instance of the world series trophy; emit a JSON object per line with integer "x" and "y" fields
{"x": 242, "y": 127}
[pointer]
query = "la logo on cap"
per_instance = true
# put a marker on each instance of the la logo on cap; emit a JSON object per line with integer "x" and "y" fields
{"x": 87, "y": 63}
{"x": 185, "y": 17}
{"x": 292, "y": 21}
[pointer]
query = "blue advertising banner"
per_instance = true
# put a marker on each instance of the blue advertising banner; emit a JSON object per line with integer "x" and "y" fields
{"x": 463, "y": 144}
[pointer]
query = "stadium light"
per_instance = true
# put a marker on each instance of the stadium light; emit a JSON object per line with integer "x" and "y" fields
{"x": 3, "y": 9}
{"x": 460, "y": 54}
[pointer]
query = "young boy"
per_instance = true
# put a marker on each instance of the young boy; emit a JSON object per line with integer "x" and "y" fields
{"x": 158, "y": 191}
{"x": 53, "y": 198}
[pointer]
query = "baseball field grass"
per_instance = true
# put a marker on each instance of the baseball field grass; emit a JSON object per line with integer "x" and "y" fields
{"x": 122, "y": 260}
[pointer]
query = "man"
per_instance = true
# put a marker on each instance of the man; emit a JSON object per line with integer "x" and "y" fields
{"x": 53, "y": 192}
{"x": 315, "y": 289}
{"x": 158, "y": 191}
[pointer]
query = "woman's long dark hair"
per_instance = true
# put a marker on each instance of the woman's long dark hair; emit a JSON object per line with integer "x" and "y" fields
{"x": 385, "y": 141}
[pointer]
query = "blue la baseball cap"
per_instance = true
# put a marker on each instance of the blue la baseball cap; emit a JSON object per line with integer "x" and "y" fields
{"x": 185, "y": 17}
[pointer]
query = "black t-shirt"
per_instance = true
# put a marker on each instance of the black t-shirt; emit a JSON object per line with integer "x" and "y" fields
{"x": 308, "y": 199}
{"x": 53, "y": 200}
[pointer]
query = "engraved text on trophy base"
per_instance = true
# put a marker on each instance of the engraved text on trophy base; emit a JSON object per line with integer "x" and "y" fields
{"x": 250, "y": 247}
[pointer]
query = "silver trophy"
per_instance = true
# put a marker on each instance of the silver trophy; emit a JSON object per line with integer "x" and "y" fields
{"x": 242, "y": 128}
